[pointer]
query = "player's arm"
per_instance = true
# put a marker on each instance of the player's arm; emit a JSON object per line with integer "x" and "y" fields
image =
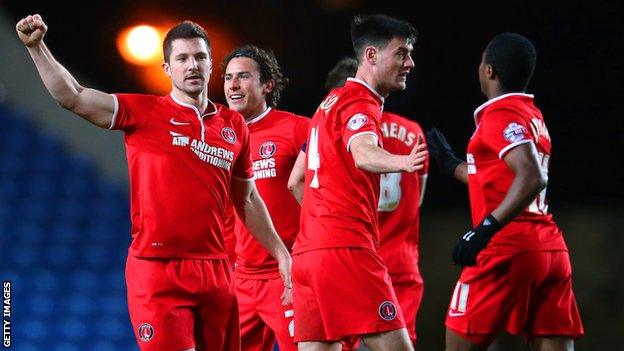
{"x": 296, "y": 180}
{"x": 370, "y": 157}
{"x": 528, "y": 181}
{"x": 444, "y": 155}
{"x": 253, "y": 212}
{"x": 93, "y": 105}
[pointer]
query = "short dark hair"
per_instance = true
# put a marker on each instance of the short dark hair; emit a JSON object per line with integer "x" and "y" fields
{"x": 267, "y": 65}
{"x": 345, "y": 68}
{"x": 184, "y": 30}
{"x": 378, "y": 31}
{"x": 512, "y": 56}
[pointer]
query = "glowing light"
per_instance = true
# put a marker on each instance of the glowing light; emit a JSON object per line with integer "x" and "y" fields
{"x": 141, "y": 45}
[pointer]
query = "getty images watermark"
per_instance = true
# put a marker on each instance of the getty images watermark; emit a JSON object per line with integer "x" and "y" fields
{"x": 6, "y": 314}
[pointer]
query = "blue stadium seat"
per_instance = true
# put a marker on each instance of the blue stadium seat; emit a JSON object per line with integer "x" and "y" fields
{"x": 41, "y": 305}
{"x": 64, "y": 232}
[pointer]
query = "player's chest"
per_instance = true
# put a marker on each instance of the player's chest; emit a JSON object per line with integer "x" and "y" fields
{"x": 272, "y": 154}
{"x": 209, "y": 139}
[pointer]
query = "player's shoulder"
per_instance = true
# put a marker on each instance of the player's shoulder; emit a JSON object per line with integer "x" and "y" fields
{"x": 287, "y": 116}
{"x": 229, "y": 115}
{"x": 144, "y": 99}
{"x": 516, "y": 105}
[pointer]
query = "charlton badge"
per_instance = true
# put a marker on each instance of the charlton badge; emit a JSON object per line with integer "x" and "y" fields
{"x": 387, "y": 311}
{"x": 228, "y": 135}
{"x": 146, "y": 332}
{"x": 267, "y": 149}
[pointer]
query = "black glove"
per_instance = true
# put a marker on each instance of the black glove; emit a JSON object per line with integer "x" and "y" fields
{"x": 466, "y": 250}
{"x": 442, "y": 152}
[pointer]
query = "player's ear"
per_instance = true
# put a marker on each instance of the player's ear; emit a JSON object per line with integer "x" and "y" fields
{"x": 268, "y": 86}
{"x": 489, "y": 71}
{"x": 166, "y": 69}
{"x": 370, "y": 55}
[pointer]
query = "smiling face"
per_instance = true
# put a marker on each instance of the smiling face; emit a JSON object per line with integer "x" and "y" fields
{"x": 189, "y": 66}
{"x": 393, "y": 64}
{"x": 243, "y": 89}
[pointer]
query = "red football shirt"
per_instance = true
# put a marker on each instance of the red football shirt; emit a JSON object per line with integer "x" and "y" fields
{"x": 275, "y": 141}
{"x": 503, "y": 123}
{"x": 399, "y": 198}
{"x": 180, "y": 164}
{"x": 340, "y": 201}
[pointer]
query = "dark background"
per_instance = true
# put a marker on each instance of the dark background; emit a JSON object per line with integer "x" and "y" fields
{"x": 577, "y": 84}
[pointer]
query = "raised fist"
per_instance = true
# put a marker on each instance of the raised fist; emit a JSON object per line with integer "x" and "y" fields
{"x": 31, "y": 30}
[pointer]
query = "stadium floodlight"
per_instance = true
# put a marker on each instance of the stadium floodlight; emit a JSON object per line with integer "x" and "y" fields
{"x": 140, "y": 45}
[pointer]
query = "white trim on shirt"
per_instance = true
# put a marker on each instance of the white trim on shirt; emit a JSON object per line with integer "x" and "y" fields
{"x": 260, "y": 116}
{"x": 511, "y": 146}
{"x": 214, "y": 107}
{"x": 355, "y": 80}
{"x": 115, "y": 112}
{"x": 493, "y": 100}
{"x": 360, "y": 134}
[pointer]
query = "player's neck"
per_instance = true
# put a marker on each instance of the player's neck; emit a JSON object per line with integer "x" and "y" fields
{"x": 261, "y": 109}
{"x": 200, "y": 101}
{"x": 493, "y": 90}
{"x": 369, "y": 78}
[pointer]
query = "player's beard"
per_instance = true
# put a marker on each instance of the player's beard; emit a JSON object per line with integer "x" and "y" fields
{"x": 189, "y": 89}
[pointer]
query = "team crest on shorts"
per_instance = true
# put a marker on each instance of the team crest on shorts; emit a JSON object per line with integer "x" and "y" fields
{"x": 357, "y": 121}
{"x": 228, "y": 135}
{"x": 387, "y": 311}
{"x": 267, "y": 149}
{"x": 514, "y": 132}
{"x": 146, "y": 332}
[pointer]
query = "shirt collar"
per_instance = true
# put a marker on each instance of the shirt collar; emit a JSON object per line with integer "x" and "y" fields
{"x": 359, "y": 81}
{"x": 477, "y": 112}
{"x": 259, "y": 117}
{"x": 210, "y": 103}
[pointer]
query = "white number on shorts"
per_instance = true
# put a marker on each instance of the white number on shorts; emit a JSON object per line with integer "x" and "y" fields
{"x": 389, "y": 192}
{"x": 291, "y": 324}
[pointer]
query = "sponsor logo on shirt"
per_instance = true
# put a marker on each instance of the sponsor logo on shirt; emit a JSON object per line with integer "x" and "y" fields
{"x": 264, "y": 168}
{"x": 228, "y": 135}
{"x": 387, "y": 311}
{"x": 514, "y": 132}
{"x": 213, "y": 155}
{"x": 267, "y": 149}
{"x": 145, "y": 332}
{"x": 176, "y": 123}
{"x": 357, "y": 121}
{"x": 179, "y": 139}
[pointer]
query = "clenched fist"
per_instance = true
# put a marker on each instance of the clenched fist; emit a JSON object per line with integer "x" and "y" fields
{"x": 31, "y": 30}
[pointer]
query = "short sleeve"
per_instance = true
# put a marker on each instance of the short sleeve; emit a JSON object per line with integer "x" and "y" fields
{"x": 130, "y": 110}
{"x": 504, "y": 129}
{"x": 242, "y": 167}
{"x": 360, "y": 117}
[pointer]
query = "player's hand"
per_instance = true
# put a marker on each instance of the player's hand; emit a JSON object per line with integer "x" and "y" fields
{"x": 470, "y": 244}
{"x": 442, "y": 152}
{"x": 416, "y": 158}
{"x": 31, "y": 30}
{"x": 285, "y": 268}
